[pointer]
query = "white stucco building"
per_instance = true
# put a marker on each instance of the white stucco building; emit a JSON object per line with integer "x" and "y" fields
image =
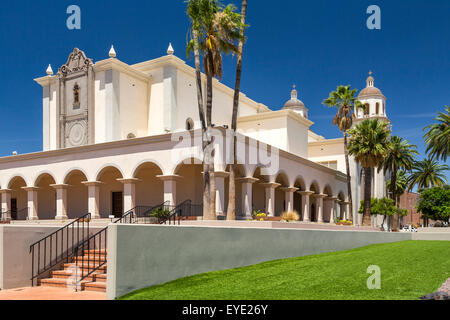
{"x": 111, "y": 142}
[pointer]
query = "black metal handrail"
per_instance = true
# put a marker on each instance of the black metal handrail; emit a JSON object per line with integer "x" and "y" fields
{"x": 55, "y": 248}
{"x": 21, "y": 214}
{"x": 95, "y": 247}
{"x": 98, "y": 242}
{"x": 140, "y": 214}
{"x": 183, "y": 209}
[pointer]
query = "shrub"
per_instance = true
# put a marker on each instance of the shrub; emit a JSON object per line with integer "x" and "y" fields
{"x": 160, "y": 213}
{"x": 258, "y": 215}
{"x": 290, "y": 216}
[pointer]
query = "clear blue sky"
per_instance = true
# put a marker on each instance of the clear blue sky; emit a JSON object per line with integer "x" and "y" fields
{"x": 315, "y": 44}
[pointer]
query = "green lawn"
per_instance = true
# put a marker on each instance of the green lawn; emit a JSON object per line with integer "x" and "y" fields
{"x": 409, "y": 270}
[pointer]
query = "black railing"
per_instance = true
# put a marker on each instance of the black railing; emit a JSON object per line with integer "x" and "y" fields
{"x": 181, "y": 210}
{"x": 142, "y": 214}
{"x": 58, "y": 246}
{"x": 21, "y": 214}
{"x": 90, "y": 256}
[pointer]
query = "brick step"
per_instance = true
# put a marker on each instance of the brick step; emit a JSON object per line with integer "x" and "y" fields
{"x": 84, "y": 266}
{"x": 60, "y": 283}
{"x": 89, "y": 258}
{"x": 97, "y": 251}
{"x": 94, "y": 286}
{"x": 100, "y": 277}
{"x": 66, "y": 274}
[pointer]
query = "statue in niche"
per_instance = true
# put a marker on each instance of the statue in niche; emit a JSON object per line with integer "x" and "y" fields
{"x": 76, "y": 96}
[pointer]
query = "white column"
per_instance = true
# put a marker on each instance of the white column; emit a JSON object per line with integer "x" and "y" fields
{"x": 170, "y": 188}
{"x": 6, "y": 203}
{"x": 220, "y": 191}
{"x": 270, "y": 197}
{"x": 32, "y": 202}
{"x": 332, "y": 206}
{"x": 93, "y": 198}
{"x": 61, "y": 201}
{"x": 319, "y": 205}
{"x": 305, "y": 205}
{"x": 129, "y": 193}
{"x": 247, "y": 194}
{"x": 289, "y": 197}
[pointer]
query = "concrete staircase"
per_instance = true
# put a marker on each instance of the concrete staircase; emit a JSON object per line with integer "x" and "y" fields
{"x": 65, "y": 278}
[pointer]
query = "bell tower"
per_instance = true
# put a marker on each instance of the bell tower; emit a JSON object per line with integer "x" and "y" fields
{"x": 373, "y": 100}
{"x": 75, "y": 87}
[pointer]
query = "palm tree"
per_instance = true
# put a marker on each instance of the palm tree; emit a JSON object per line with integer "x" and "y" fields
{"x": 367, "y": 143}
{"x": 401, "y": 184}
{"x": 344, "y": 99}
{"x": 438, "y": 136}
{"x": 399, "y": 156}
{"x": 214, "y": 29}
{"x": 231, "y": 211}
{"x": 427, "y": 173}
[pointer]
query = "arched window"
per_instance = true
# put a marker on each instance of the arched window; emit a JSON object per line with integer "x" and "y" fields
{"x": 378, "y": 108}
{"x": 366, "y": 109}
{"x": 189, "y": 124}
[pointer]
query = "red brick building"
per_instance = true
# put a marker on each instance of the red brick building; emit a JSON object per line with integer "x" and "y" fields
{"x": 408, "y": 201}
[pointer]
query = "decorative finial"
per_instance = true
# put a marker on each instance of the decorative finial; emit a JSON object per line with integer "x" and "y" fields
{"x": 170, "y": 50}
{"x": 49, "y": 70}
{"x": 370, "y": 72}
{"x": 112, "y": 52}
{"x": 294, "y": 93}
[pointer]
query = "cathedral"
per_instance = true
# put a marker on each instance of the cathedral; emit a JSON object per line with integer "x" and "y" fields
{"x": 111, "y": 142}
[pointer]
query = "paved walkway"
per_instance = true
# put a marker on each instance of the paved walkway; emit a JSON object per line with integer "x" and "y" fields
{"x": 49, "y": 293}
{"x": 445, "y": 287}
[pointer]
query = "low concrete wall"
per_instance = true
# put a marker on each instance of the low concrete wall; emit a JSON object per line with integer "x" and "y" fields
{"x": 430, "y": 236}
{"x": 143, "y": 255}
{"x": 15, "y": 257}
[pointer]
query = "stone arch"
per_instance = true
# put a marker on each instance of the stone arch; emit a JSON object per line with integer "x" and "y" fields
{"x": 73, "y": 171}
{"x": 190, "y": 160}
{"x": 46, "y": 196}
{"x": 111, "y": 191}
{"x": 13, "y": 180}
{"x": 327, "y": 190}
{"x": 146, "y": 163}
{"x": 280, "y": 198}
{"x": 314, "y": 187}
{"x": 77, "y": 193}
{"x": 19, "y": 198}
{"x": 299, "y": 183}
{"x": 106, "y": 167}
{"x": 41, "y": 175}
{"x": 150, "y": 189}
{"x": 258, "y": 190}
{"x": 190, "y": 185}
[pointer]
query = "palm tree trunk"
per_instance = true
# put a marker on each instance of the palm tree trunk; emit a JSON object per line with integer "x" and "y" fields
{"x": 209, "y": 192}
{"x": 349, "y": 181}
{"x": 367, "y": 195}
{"x": 201, "y": 114}
{"x": 231, "y": 211}
{"x": 395, "y": 217}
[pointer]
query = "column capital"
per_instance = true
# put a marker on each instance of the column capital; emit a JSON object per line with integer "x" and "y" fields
{"x": 92, "y": 183}
{"x": 305, "y": 193}
{"x": 331, "y": 198}
{"x": 59, "y": 186}
{"x": 319, "y": 196}
{"x": 128, "y": 180}
{"x": 30, "y": 188}
{"x": 247, "y": 180}
{"x": 288, "y": 189}
{"x": 221, "y": 174}
{"x": 270, "y": 185}
{"x": 6, "y": 190}
{"x": 170, "y": 177}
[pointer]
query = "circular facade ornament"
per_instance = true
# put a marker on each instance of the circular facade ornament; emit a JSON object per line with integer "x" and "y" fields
{"x": 76, "y": 134}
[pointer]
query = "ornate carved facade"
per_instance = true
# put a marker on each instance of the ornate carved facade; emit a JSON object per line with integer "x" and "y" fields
{"x": 76, "y": 94}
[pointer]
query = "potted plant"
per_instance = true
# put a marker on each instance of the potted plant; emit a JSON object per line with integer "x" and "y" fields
{"x": 289, "y": 216}
{"x": 259, "y": 216}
